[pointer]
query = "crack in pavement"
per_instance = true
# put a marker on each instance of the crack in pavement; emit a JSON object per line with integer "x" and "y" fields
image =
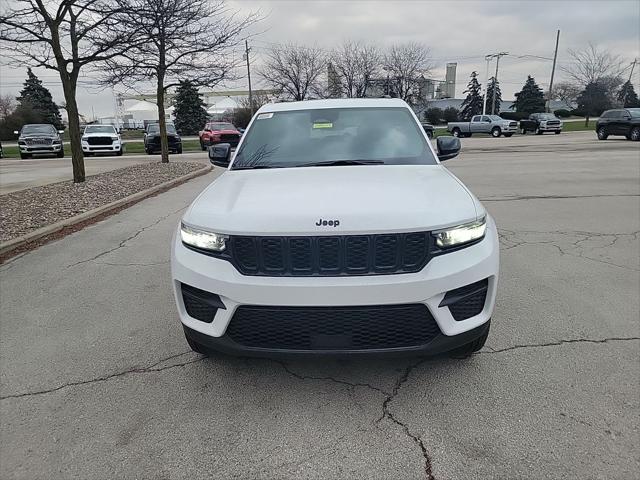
{"x": 128, "y": 239}
{"x": 136, "y": 370}
{"x": 511, "y": 239}
{"x": 152, "y": 264}
{"x": 386, "y": 413}
{"x": 331, "y": 379}
{"x": 555, "y": 344}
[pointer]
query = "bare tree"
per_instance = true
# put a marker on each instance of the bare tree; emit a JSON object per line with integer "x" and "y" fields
{"x": 590, "y": 65}
{"x": 356, "y": 64}
{"x": 7, "y": 106}
{"x": 566, "y": 92}
{"x": 65, "y": 36}
{"x": 405, "y": 64}
{"x": 296, "y": 70}
{"x": 176, "y": 40}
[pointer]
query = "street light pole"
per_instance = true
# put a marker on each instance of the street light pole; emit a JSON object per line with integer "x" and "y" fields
{"x": 247, "y": 50}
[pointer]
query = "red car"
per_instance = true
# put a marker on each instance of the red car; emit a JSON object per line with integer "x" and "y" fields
{"x": 219, "y": 132}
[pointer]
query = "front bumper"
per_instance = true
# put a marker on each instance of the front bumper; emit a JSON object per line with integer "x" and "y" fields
{"x": 55, "y": 148}
{"x": 116, "y": 146}
{"x": 442, "y": 274}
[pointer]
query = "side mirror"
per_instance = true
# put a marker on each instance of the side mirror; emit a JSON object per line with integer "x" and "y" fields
{"x": 219, "y": 154}
{"x": 448, "y": 147}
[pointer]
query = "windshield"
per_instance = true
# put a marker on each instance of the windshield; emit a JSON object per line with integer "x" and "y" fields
{"x": 546, "y": 116}
{"x": 635, "y": 112}
{"x": 154, "y": 128}
{"x": 99, "y": 129}
{"x": 221, "y": 126}
{"x": 44, "y": 129}
{"x": 496, "y": 118}
{"x": 303, "y": 137}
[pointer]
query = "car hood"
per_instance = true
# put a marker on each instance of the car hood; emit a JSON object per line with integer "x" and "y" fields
{"x": 363, "y": 199}
{"x": 98, "y": 134}
{"x": 226, "y": 132}
{"x": 39, "y": 135}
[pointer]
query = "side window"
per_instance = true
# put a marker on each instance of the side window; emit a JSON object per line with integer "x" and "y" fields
{"x": 476, "y": 118}
{"x": 486, "y": 119}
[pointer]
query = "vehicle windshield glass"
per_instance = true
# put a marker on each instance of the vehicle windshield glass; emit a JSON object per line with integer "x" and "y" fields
{"x": 99, "y": 129}
{"x": 635, "y": 112}
{"x": 546, "y": 116}
{"x": 155, "y": 128}
{"x": 221, "y": 126}
{"x": 496, "y": 118}
{"x": 388, "y": 135}
{"x": 44, "y": 129}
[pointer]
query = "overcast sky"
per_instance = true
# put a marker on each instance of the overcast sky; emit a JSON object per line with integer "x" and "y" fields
{"x": 456, "y": 31}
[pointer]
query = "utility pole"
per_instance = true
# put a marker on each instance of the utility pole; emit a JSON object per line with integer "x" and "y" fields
{"x": 495, "y": 79}
{"x": 633, "y": 65}
{"x": 553, "y": 70}
{"x": 247, "y": 50}
{"x": 486, "y": 84}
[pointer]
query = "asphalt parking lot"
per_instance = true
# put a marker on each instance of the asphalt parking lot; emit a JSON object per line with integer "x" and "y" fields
{"x": 98, "y": 382}
{"x": 17, "y": 174}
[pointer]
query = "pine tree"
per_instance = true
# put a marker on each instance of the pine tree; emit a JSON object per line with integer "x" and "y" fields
{"x": 530, "y": 99}
{"x": 593, "y": 100}
{"x": 493, "y": 84}
{"x": 627, "y": 96}
{"x": 189, "y": 109}
{"x": 472, "y": 105}
{"x": 33, "y": 95}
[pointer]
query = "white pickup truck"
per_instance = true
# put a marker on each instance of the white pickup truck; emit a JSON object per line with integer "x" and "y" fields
{"x": 491, "y": 124}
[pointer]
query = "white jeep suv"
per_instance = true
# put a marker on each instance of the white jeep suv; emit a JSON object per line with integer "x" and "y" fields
{"x": 335, "y": 230}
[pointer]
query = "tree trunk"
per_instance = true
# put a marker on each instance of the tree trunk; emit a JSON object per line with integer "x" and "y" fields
{"x": 164, "y": 141}
{"x": 77, "y": 157}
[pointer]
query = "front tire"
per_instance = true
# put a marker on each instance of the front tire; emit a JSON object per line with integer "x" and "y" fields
{"x": 538, "y": 131}
{"x": 60, "y": 154}
{"x": 523, "y": 131}
{"x": 25, "y": 156}
{"x": 508, "y": 135}
{"x": 602, "y": 134}
{"x": 120, "y": 152}
{"x": 635, "y": 134}
{"x": 456, "y": 132}
{"x": 496, "y": 132}
{"x": 202, "y": 146}
{"x": 472, "y": 347}
{"x": 558, "y": 132}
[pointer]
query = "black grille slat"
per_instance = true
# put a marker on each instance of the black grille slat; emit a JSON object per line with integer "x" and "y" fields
{"x": 333, "y": 328}
{"x": 334, "y": 255}
{"x": 329, "y": 254}
{"x": 99, "y": 141}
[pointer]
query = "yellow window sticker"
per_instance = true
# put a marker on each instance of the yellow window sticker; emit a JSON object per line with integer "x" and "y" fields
{"x": 323, "y": 125}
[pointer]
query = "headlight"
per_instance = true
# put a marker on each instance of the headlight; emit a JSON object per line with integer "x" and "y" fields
{"x": 202, "y": 239}
{"x": 85, "y": 139}
{"x": 456, "y": 236}
{"x": 56, "y": 141}
{"x": 114, "y": 137}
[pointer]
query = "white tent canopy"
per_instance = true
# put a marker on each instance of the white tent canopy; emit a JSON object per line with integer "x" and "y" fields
{"x": 222, "y": 104}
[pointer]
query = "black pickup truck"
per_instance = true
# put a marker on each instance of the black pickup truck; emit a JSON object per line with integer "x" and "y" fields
{"x": 540, "y": 123}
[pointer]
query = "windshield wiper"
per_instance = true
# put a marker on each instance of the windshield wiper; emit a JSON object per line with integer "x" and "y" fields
{"x": 332, "y": 163}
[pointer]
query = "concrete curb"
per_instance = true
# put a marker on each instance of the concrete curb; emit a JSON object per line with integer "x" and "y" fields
{"x": 19, "y": 242}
